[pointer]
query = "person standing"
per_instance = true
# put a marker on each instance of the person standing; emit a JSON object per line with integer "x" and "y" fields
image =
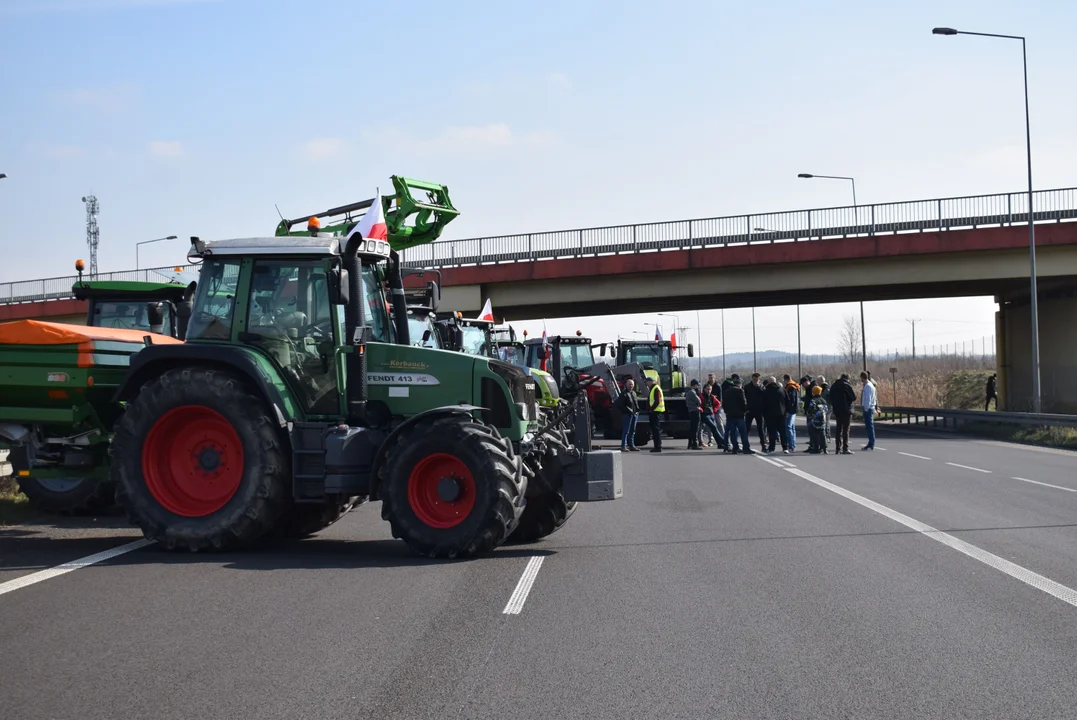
{"x": 842, "y": 398}
{"x": 656, "y": 406}
{"x": 709, "y": 407}
{"x": 868, "y": 400}
{"x": 736, "y": 406}
{"x": 628, "y": 403}
{"x": 992, "y": 391}
{"x": 705, "y": 427}
{"x": 693, "y": 405}
{"x": 753, "y": 394}
{"x": 774, "y": 414}
{"x": 792, "y": 404}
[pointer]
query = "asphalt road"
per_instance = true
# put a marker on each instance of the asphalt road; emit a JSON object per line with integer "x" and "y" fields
{"x": 719, "y": 587}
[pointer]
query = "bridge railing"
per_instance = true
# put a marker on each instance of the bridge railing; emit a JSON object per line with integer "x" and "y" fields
{"x": 913, "y": 416}
{"x": 939, "y": 214}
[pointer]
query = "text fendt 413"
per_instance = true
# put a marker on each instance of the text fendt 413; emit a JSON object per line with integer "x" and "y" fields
{"x": 571, "y": 360}
{"x": 296, "y": 391}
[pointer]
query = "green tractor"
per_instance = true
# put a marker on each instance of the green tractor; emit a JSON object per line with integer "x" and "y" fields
{"x": 158, "y": 307}
{"x": 659, "y": 360}
{"x": 297, "y": 389}
{"x": 56, "y": 425}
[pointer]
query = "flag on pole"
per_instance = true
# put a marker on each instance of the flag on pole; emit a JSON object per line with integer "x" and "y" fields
{"x": 673, "y": 340}
{"x": 545, "y": 349}
{"x": 657, "y": 334}
{"x": 372, "y": 225}
{"x": 487, "y": 311}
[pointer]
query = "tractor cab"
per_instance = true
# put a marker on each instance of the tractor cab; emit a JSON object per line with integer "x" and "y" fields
{"x": 422, "y": 303}
{"x": 509, "y": 348}
{"x": 559, "y": 355}
{"x": 157, "y": 307}
{"x": 658, "y": 360}
{"x": 467, "y": 335}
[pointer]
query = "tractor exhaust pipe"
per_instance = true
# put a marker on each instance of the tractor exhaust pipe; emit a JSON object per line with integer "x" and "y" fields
{"x": 355, "y": 325}
{"x": 400, "y": 303}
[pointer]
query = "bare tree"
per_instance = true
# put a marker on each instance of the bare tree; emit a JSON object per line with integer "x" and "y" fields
{"x": 849, "y": 346}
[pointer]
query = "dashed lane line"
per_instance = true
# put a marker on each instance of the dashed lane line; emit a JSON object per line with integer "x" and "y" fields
{"x": 63, "y": 569}
{"x": 1037, "y": 482}
{"x": 918, "y": 457}
{"x": 969, "y": 467}
{"x": 523, "y": 587}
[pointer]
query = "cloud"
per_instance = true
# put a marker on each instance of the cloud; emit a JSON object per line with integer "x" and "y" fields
{"x": 166, "y": 148}
{"x": 324, "y": 148}
{"x": 104, "y": 99}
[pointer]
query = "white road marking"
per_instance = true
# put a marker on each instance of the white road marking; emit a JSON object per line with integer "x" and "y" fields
{"x": 918, "y": 457}
{"x": 784, "y": 462}
{"x": 34, "y": 578}
{"x": 1037, "y": 482}
{"x": 1058, "y": 590}
{"x": 519, "y": 595}
{"x": 880, "y": 448}
{"x": 968, "y": 467}
{"x": 768, "y": 460}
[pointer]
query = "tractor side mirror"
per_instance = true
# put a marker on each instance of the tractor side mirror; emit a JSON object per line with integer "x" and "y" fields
{"x": 434, "y": 293}
{"x": 338, "y": 286}
{"x": 691, "y": 350}
{"x": 602, "y": 350}
{"x": 426, "y": 336}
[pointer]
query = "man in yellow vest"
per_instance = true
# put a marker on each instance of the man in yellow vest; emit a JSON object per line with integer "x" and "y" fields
{"x": 656, "y": 406}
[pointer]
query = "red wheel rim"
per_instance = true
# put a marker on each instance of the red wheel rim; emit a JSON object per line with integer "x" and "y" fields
{"x": 441, "y": 491}
{"x": 192, "y": 461}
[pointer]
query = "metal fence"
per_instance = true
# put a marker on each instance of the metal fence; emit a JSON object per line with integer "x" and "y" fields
{"x": 950, "y": 418}
{"x": 939, "y": 214}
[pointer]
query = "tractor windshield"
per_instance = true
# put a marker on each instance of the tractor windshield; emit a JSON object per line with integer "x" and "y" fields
{"x": 418, "y": 326}
{"x": 577, "y": 355}
{"x": 654, "y": 356}
{"x": 377, "y": 317}
{"x": 513, "y": 354}
{"x": 215, "y": 301}
{"x": 474, "y": 340}
{"x": 133, "y": 315}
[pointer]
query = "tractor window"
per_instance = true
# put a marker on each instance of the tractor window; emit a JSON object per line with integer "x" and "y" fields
{"x": 578, "y": 356}
{"x": 289, "y": 319}
{"x": 651, "y": 356}
{"x": 417, "y": 326}
{"x": 215, "y": 301}
{"x": 153, "y": 316}
{"x": 474, "y": 340}
{"x": 377, "y": 317}
{"x": 512, "y": 354}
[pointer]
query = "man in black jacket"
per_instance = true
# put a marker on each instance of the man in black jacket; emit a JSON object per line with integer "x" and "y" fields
{"x": 753, "y": 394}
{"x": 774, "y": 414}
{"x": 842, "y": 397}
{"x": 735, "y": 408}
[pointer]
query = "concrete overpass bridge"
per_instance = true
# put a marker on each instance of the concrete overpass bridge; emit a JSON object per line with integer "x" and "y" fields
{"x": 943, "y": 247}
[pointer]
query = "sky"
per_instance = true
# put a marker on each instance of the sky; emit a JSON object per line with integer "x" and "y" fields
{"x": 195, "y": 117}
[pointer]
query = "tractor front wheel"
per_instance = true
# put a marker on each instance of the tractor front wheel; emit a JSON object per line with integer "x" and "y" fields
{"x": 543, "y": 515}
{"x": 198, "y": 461}
{"x": 449, "y": 488}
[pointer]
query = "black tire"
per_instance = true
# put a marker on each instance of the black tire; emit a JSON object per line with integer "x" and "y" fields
{"x": 543, "y": 515}
{"x": 300, "y": 521}
{"x": 264, "y": 478}
{"x": 498, "y": 497}
{"x": 81, "y": 495}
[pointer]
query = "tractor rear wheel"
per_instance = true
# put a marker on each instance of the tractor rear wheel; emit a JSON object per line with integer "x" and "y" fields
{"x": 543, "y": 515}
{"x": 198, "y": 462}
{"x": 450, "y": 488}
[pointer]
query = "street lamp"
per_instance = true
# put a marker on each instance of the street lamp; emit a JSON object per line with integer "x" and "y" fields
{"x": 1034, "y": 302}
{"x": 856, "y": 220}
{"x": 146, "y": 242}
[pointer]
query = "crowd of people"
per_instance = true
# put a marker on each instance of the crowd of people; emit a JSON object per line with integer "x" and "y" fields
{"x": 721, "y": 415}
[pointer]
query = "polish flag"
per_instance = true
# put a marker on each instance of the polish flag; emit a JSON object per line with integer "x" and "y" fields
{"x": 545, "y": 349}
{"x": 673, "y": 340}
{"x": 487, "y": 311}
{"x": 657, "y": 334}
{"x": 372, "y": 225}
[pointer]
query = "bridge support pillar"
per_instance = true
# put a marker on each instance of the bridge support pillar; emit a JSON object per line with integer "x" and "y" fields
{"x": 1058, "y": 350}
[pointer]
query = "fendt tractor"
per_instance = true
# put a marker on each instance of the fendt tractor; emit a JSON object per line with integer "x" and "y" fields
{"x": 57, "y": 424}
{"x": 571, "y": 359}
{"x": 294, "y": 388}
{"x": 659, "y": 361}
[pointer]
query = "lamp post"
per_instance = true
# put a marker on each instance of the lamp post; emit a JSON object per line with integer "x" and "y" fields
{"x": 676, "y": 324}
{"x": 146, "y": 242}
{"x": 856, "y": 219}
{"x": 1034, "y": 298}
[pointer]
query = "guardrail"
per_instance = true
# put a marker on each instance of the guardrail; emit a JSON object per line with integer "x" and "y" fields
{"x": 939, "y": 214}
{"x": 951, "y": 418}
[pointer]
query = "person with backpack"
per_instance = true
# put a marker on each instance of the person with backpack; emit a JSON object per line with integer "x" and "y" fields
{"x": 842, "y": 398}
{"x": 818, "y": 423}
{"x": 628, "y": 405}
{"x": 709, "y": 407}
